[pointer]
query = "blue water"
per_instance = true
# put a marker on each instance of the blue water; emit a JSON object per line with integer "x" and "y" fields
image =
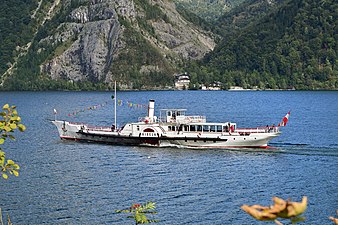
{"x": 64, "y": 182}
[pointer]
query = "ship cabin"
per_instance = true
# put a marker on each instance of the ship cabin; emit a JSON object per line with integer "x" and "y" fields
{"x": 176, "y": 120}
{"x": 178, "y": 116}
{"x": 171, "y": 115}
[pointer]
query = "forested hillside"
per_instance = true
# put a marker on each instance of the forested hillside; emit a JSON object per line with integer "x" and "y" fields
{"x": 244, "y": 15}
{"x": 294, "y": 46}
{"x": 16, "y": 29}
{"x": 209, "y": 10}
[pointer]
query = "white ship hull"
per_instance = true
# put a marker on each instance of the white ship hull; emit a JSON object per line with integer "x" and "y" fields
{"x": 173, "y": 128}
{"x": 155, "y": 135}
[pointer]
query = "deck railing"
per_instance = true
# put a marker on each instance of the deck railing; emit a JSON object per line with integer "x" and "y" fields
{"x": 184, "y": 119}
{"x": 191, "y": 119}
{"x": 102, "y": 128}
{"x": 258, "y": 130}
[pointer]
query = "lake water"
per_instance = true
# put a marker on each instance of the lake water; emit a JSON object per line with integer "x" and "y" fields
{"x": 64, "y": 182}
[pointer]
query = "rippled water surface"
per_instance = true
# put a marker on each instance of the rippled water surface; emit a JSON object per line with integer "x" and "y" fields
{"x": 79, "y": 183}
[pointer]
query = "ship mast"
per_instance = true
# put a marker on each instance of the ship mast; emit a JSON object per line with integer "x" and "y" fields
{"x": 115, "y": 106}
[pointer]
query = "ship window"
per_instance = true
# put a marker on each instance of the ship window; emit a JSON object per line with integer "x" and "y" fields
{"x": 192, "y": 128}
{"x": 219, "y": 128}
{"x": 171, "y": 128}
{"x": 199, "y": 128}
{"x": 212, "y": 128}
{"x": 180, "y": 128}
{"x": 169, "y": 113}
{"x": 138, "y": 128}
{"x": 206, "y": 128}
{"x": 186, "y": 128}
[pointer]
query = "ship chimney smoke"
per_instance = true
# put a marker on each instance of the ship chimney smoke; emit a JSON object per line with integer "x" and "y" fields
{"x": 151, "y": 110}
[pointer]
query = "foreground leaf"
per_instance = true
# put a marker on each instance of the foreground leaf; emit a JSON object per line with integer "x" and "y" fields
{"x": 5, "y": 107}
{"x": 21, "y": 127}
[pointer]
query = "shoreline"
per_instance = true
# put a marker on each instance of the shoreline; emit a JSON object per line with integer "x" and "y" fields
{"x": 158, "y": 89}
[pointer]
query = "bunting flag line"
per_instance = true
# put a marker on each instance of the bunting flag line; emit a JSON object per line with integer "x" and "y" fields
{"x": 97, "y": 106}
{"x": 131, "y": 104}
{"x": 120, "y": 102}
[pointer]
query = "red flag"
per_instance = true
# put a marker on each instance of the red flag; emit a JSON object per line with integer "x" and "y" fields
{"x": 285, "y": 120}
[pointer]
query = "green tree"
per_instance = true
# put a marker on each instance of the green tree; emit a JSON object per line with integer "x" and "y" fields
{"x": 9, "y": 122}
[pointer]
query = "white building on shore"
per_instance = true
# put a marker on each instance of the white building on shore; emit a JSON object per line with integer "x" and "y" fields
{"x": 182, "y": 81}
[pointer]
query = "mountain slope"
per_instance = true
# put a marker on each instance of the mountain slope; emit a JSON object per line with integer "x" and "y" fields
{"x": 210, "y": 10}
{"x": 293, "y": 46}
{"x": 16, "y": 29}
{"x": 85, "y": 44}
{"x": 245, "y": 14}
{"x": 88, "y": 44}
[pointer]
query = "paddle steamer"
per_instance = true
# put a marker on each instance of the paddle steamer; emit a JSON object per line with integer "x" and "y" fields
{"x": 172, "y": 128}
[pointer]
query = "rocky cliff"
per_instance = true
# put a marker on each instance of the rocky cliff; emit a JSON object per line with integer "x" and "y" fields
{"x": 103, "y": 40}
